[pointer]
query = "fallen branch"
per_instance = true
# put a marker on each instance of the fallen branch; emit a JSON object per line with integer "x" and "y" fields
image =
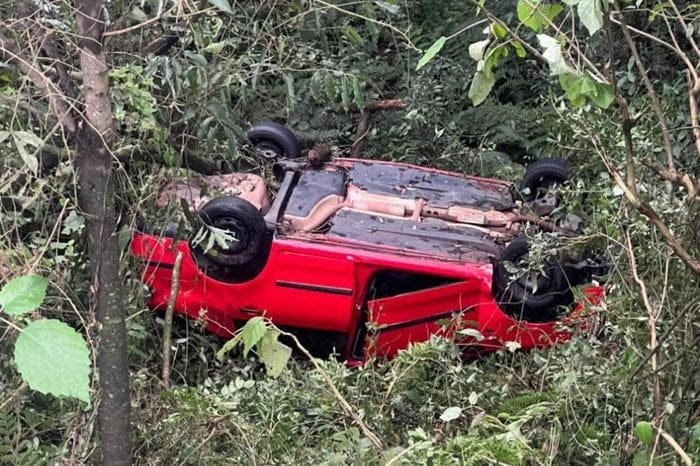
{"x": 363, "y": 123}
{"x": 168, "y": 327}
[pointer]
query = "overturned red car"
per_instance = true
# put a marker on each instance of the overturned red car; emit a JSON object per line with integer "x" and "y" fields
{"x": 365, "y": 256}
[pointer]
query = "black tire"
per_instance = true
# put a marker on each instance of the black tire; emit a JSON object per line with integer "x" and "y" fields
{"x": 539, "y": 177}
{"x": 243, "y": 221}
{"x": 273, "y": 142}
{"x": 516, "y": 296}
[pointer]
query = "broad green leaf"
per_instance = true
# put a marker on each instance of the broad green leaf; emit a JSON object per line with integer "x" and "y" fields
{"x": 579, "y": 87}
{"x": 552, "y": 53}
{"x": 431, "y": 52}
{"x": 274, "y": 354}
{"x": 451, "y": 413}
{"x": 252, "y": 332}
{"x": 477, "y": 49}
{"x": 222, "y": 5}
{"x": 644, "y": 432}
{"x": 481, "y": 87}
{"x": 537, "y": 15}
{"x": 590, "y": 12}
{"x": 53, "y": 358}
{"x": 484, "y": 78}
{"x": 603, "y": 95}
{"x": 23, "y": 294}
{"x": 4, "y": 135}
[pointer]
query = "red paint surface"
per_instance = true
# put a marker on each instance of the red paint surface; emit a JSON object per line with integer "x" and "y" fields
{"x": 348, "y": 268}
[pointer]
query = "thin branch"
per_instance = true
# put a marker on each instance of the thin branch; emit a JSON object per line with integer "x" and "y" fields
{"x": 139, "y": 25}
{"x": 690, "y": 37}
{"x": 646, "y": 210}
{"x": 168, "y": 327}
{"x": 674, "y": 48}
{"x": 655, "y": 103}
{"x": 626, "y": 121}
{"x": 653, "y": 343}
{"x": 675, "y": 446}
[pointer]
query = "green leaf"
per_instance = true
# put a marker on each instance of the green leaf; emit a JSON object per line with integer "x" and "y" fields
{"x": 537, "y": 15}
{"x": 53, "y": 358}
{"x": 481, "y": 87}
{"x": 499, "y": 31}
{"x": 484, "y": 78}
{"x": 23, "y": 294}
{"x": 358, "y": 94}
{"x": 644, "y": 432}
{"x": 579, "y": 87}
{"x": 215, "y": 47}
{"x": 329, "y": 87}
{"x": 519, "y": 49}
{"x": 451, "y": 413}
{"x": 603, "y": 95}
{"x": 353, "y": 36}
{"x": 590, "y": 12}
{"x": 345, "y": 92}
{"x": 252, "y": 332}
{"x": 228, "y": 346}
{"x": 552, "y": 53}
{"x": 431, "y": 52}
{"x": 274, "y": 354}
{"x": 222, "y": 5}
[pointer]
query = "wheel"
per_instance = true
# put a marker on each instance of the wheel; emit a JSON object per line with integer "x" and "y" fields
{"x": 534, "y": 296}
{"x": 239, "y": 219}
{"x": 539, "y": 183}
{"x": 273, "y": 142}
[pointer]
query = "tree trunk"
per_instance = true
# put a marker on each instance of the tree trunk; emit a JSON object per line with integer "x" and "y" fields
{"x": 95, "y": 175}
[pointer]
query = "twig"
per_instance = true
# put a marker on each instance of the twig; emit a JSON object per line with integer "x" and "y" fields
{"x": 653, "y": 343}
{"x": 339, "y": 396}
{"x": 168, "y": 327}
{"x": 676, "y": 447}
{"x": 360, "y": 134}
{"x": 139, "y": 25}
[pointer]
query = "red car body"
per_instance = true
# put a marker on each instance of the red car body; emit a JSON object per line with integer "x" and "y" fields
{"x": 381, "y": 281}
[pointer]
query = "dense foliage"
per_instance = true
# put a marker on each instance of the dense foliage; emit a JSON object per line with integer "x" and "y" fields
{"x": 183, "y": 88}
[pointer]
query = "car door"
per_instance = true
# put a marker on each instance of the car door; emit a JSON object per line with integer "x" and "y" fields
{"x": 393, "y": 322}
